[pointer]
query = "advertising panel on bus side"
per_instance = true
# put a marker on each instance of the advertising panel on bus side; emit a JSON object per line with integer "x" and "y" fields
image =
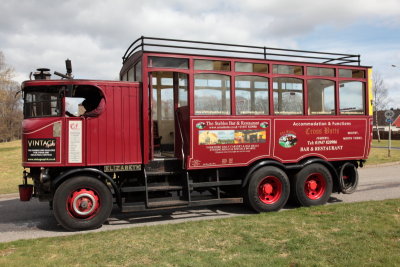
{"x": 239, "y": 142}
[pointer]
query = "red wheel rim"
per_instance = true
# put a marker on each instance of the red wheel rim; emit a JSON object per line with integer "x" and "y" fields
{"x": 83, "y": 204}
{"x": 315, "y": 186}
{"x": 270, "y": 190}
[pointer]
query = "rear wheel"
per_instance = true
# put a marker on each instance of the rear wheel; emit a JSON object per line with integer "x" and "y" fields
{"x": 268, "y": 189}
{"x": 312, "y": 185}
{"x": 82, "y": 203}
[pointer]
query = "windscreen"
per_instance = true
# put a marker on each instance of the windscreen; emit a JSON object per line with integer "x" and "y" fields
{"x": 42, "y": 102}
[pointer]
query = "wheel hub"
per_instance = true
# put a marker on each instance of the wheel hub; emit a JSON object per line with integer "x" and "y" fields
{"x": 270, "y": 190}
{"x": 312, "y": 185}
{"x": 83, "y": 203}
{"x": 315, "y": 186}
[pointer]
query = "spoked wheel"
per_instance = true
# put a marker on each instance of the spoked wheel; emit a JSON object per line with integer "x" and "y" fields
{"x": 82, "y": 203}
{"x": 268, "y": 189}
{"x": 312, "y": 185}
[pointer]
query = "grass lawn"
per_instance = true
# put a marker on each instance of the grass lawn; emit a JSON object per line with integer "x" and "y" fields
{"x": 356, "y": 234}
{"x": 395, "y": 143}
{"x": 380, "y": 155}
{"x": 10, "y": 167}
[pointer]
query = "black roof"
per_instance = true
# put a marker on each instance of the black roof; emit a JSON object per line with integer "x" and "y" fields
{"x": 147, "y": 44}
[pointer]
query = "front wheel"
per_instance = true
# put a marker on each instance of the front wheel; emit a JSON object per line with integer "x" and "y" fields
{"x": 268, "y": 189}
{"x": 82, "y": 203}
{"x": 312, "y": 185}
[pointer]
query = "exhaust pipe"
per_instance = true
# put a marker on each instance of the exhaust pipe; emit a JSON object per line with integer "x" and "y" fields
{"x": 68, "y": 75}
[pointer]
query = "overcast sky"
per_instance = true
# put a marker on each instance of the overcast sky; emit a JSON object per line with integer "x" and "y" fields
{"x": 95, "y": 34}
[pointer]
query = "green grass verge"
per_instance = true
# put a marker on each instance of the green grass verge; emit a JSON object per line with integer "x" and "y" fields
{"x": 356, "y": 234}
{"x": 395, "y": 143}
{"x": 10, "y": 167}
{"x": 380, "y": 155}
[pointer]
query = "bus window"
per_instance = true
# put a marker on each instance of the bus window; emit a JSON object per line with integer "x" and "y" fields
{"x": 314, "y": 71}
{"x": 212, "y": 94}
{"x": 42, "y": 102}
{"x": 183, "y": 90}
{"x": 163, "y": 96}
{"x": 168, "y": 62}
{"x": 321, "y": 97}
{"x": 251, "y": 94}
{"x": 288, "y": 96}
{"x": 347, "y": 73}
{"x": 286, "y": 69}
{"x": 131, "y": 76}
{"x": 352, "y": 98}
{"x": 200, "y": 64}
{"x": 74, "y": 107}
{"x": 251, "y": 67}
{"x": 138, "y": 71}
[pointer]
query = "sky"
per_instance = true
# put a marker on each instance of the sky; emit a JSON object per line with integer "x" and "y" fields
{"x": 96, "y": 34}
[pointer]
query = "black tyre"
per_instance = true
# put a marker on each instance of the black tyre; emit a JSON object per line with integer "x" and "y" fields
{"x": 348, "y": 178}
{"x": 267, "y": 190}
{"x": 82, "y": 203}
{"x": 312, "y": 185}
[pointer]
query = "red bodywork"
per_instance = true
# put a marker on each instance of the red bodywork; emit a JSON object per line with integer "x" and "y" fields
{"x": 123, "y": 133}
{"x": 114, "y": 137}
{"x": 285, "y": 140}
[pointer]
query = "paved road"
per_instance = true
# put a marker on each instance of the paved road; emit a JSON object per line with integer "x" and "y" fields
{"x": 19, "y": 220}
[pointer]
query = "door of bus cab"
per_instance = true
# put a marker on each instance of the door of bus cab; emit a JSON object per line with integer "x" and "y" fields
{"x": 169, "y": 108}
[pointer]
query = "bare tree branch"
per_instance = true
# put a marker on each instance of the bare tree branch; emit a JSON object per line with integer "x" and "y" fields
{"x": 10, "y": 105}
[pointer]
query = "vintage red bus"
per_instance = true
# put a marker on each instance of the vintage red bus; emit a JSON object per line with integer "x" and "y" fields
{"x": 197, "y": 123}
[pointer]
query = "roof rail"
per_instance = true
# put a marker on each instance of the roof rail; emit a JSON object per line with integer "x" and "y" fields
{"x": 217, "y": 49}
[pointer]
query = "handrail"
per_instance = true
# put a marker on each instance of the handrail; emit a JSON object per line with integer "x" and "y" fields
{"x": 183, "y": 141}
{"x": 172, "y": 45}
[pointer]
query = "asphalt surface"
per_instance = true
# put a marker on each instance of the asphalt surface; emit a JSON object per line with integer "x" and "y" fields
{"x": 27, "y": 220}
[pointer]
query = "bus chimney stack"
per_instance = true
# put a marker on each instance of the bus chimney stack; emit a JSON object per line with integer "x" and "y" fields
{"x": 42, "y": 74}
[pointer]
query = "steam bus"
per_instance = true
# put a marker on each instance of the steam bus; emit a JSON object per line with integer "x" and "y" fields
{"x": 196, "y": 123}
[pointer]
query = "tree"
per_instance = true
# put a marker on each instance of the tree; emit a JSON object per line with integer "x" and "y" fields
{"x": 381, "y": 99}
{"x": 10, "y": 103}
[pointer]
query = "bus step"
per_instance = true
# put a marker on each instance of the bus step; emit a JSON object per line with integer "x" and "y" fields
{"x": 133, "y": 189}
{"x": 160, "y": 173}
{"x": 164, "y": 164}
{"x": 164, "y": 188}
{"x": 170, "y": 203}
{"x": 216, "y": 183}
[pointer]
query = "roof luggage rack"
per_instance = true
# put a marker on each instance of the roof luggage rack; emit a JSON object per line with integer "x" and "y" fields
{"x": 154, "y": 44}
